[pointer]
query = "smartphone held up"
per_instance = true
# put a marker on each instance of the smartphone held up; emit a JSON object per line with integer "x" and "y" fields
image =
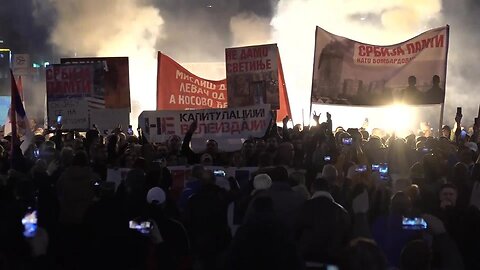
{"x": 143, "y": 227}
{"x": 415, "y": 223}
{"x": 347, "y": 141}
{"x": 29, "y": 222}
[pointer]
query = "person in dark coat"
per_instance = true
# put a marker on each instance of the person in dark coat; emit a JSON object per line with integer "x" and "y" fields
{"x": 170, "y": 245}
{"x": 323, "y": 227}
{"x": 263, "y": 241}
{"x": 107, "y": 231}
{"x": 286, "y": 202}
{"x": 206, "y": 221}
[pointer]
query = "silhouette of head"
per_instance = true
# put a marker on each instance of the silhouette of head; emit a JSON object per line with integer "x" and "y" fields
{"x": 412, "y": 81}
{"x": 435, "y": 80}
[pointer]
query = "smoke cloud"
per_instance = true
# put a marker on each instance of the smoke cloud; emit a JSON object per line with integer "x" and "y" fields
{"x": 463, "y": 59}
{"x": 249, "y": 29}
{"x": 374, "y": 22}
{"x": 113, "y": 28}
{"x": 196, "y": 33}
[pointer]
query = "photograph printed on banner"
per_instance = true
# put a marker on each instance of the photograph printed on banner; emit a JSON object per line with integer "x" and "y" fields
{"x": 352, "y": 73}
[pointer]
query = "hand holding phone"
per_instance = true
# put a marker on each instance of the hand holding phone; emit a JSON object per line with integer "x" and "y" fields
{"x": 383, "y": 170}
{"x": 425, "y": 150}
{"x": 220, "y": 173}
{"x": 415, "y": 223}
{"x": 361, "y": 168}
{"x": 29, "y": 222}
{"x": 458, "y": 116}
{"x": 36, "y": 153}
{"x": 130, "y": 130}
{"x": 143, "y": 227}
{"x": 347, "y": 141}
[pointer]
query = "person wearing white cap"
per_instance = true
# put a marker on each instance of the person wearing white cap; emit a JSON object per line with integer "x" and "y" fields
{"x": 168, "y": 236}
{"x": 156, "y": 196}
{"x": 261, "y": 182}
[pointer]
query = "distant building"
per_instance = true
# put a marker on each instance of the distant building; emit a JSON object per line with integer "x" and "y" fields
{"x": 328, "y": 81}
{"x": 351, "y": 87}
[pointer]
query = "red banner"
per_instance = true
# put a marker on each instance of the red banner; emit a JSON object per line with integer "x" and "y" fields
{"x": 179, "y": 89}
{"x": 284, "y": 102}
{"x": 69, "y": 80}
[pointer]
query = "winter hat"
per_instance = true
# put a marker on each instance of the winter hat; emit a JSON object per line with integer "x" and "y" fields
{"x": 156, "y": 196}
{"x": 262, "y": 181}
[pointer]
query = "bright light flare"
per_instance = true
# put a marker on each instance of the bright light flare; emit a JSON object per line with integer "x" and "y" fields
{"x": 398, "y": 118}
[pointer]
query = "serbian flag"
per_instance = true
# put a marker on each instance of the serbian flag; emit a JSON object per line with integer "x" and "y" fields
{"x": 17, "y": 124}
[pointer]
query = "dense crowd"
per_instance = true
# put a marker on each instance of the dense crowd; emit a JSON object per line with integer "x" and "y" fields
{"x": 319, "y": 198}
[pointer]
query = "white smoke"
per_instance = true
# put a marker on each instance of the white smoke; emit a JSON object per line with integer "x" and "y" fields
{"x": 249, "y": 29}
{"x": 113, "y": 28}
{"x": 135, "y": 28}
{"x": 374, "y": 22}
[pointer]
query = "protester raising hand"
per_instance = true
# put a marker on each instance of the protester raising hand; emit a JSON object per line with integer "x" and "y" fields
{"x": 316, "y": 117}
{"x": 193, "y": 127}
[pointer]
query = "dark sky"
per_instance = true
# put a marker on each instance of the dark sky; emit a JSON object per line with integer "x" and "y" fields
{"x": 19, "y": 30}
{"x": 22, "y": 32}
{"x": 188, "y": 21}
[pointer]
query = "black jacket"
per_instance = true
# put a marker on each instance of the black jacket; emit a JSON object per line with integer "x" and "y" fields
{"x": 323, "y": 229}
{"x": 206, "y": 220}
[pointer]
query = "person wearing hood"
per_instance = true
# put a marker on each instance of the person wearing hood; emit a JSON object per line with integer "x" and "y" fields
{"x": 206, "y": 221}
{"x": 75, "y": 195}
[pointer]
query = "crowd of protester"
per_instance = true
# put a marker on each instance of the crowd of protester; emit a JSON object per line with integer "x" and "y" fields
{"x": 319, "y": 199}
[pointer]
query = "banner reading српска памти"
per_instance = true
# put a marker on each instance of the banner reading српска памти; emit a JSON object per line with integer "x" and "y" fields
{"x": 353, "y": 73}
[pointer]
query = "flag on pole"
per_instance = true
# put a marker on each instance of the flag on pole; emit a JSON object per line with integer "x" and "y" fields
{"x": 17, "y": 123}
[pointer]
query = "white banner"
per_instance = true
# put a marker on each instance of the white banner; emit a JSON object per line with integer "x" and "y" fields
{"x": 21, "y": 64}
{"x": 231, "y": 123}
{"x": 73, "y": 112}
{"x": 68, "y": 87}
{"x": 348, "y": 72}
